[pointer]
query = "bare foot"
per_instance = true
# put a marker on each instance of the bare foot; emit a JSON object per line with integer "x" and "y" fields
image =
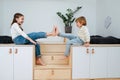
{"x": 64, "y": 58}
{"x": 52, "y": 33}
{"x": 56, "y": 31}
{"x": 40, "y": 62}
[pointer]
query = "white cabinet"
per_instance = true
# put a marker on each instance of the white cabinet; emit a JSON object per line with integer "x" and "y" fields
{"x": 6, "y": 63}
{"x": 96, "y": 62}
{"x": 89, "y": 62}
{"x": 16, "y": 63}
{"x": 80, "y": 64}
{"x": 114, "y": 62}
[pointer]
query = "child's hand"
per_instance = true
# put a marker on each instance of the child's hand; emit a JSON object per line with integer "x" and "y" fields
{"x": 86, "y": 44}
{"x": 33, "y": 42}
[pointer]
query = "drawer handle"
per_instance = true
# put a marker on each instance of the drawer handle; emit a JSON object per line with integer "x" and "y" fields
{"x": 93, "y": 51}
{"x": 87, "y": 50}
{"x": 10, "y": 51}
{"x": 52, "y": 57}
{"x": 52, "y": 72}
{"x": 16, "y": 51}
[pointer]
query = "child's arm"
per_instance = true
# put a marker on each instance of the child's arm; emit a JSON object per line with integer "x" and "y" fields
{"x": 87, "y": 40}
{"x": 28, "y": 38}
{"x": 24, "y": 34}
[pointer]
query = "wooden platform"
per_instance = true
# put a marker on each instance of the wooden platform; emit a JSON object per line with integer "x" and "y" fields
{"x": 55, "y": 69}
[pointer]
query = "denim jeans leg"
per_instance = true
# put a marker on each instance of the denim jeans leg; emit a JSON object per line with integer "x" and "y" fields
{"x": 37, "y": 50}
{"x": 75, "y": 41}
{"x": 20, "y": 40}
{"x": 37, "y": 35}
{"x": 67, "y": 35}
{"x": 67, "y": 51}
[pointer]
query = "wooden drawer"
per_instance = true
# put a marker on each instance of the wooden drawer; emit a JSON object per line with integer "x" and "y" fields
{"x": 52, "y": 48}
{"x": 54, "y": 60}
{"x": 55, "y": 74}
{"x": 42, "y": 74}
{"x": 61, "y": 74}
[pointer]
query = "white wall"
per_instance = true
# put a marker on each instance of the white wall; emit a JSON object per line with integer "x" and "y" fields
{"x": 1, "y": 17}
{"x": 108, "y": 8}
{"x": 40, "y": 15}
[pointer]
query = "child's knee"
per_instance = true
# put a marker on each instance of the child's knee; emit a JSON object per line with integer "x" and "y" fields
{"x": 37, "y": 45}
{"x": 69, "y": 42}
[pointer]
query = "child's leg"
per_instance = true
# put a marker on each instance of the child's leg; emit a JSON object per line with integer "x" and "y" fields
{"x": 68, "y": 46}
{"x": 75, "y": 41}
{"x": 69, "y": 36}
{"x": 38, "y": 55}
{"x": 20, "y": 40}
{"x": 37, "y": 35}
{"x": 65, "y": 35}
{"x": 37, "y": 50}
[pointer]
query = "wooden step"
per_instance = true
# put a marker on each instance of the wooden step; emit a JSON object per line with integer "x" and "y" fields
{"x": 54, "y": 74}
{"x": 52, "y": 53}
{"x": 52, "y": 47}
{"x": 54, "y": 60}
{"x": 55, "y": 69}
{"x": 38, "y": 67}
{"x": 112, "y": 79}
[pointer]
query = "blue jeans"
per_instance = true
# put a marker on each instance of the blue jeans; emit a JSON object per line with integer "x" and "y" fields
{"x": 35, "y": 35}
{"x": 73, "y": 40}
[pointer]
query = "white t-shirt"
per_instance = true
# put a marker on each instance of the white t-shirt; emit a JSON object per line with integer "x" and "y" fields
{"x": 84, "y": 34}
{"x": 16, "y": 31}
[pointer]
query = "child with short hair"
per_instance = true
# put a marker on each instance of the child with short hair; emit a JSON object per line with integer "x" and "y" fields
{"x": 82, "y": 38}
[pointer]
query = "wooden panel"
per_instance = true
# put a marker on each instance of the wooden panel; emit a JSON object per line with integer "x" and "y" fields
{"x": 55, "y": 69}
{"x": 61, "y": 74}
{"x": 52, "y": 48}
{"x": 53, "y": 53}
{"x": 113, "y": 79}
{"x": 80, "y": 79}
{"x": 99, "y": 79}
{"x": 52, "y": 74}
{"x": 54, "y": 59}
{"x": 90, "y": 79}
{"x": 37, "y": 67}
{"x": 42, "y": 74}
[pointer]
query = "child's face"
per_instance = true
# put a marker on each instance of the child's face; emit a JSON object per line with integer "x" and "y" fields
{"x": 78, "y": 24}
{"x": 20, "y": 20}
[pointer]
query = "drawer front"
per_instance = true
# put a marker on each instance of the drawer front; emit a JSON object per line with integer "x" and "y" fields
{"x": 52, "y": 48}
{"x": 61, "y": 74}
{"x": 42, "y": 74}
{"x": 54, "y": 60}
{"x": 52, "y": 74}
